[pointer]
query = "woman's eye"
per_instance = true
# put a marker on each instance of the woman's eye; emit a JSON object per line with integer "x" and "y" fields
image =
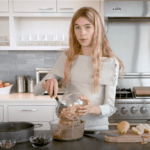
{"x": 88, "y": 27}
{"x": 76, "y": 27}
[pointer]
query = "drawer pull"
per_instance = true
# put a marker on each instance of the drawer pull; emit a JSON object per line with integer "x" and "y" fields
{"x": 46, "y": 8}
{"x": 66, "y": 8}
{"x": 30, "y": 110}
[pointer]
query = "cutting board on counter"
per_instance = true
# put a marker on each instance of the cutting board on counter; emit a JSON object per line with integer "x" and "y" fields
{"x": 142, "y": 91}
{"x": 129, "y": 137}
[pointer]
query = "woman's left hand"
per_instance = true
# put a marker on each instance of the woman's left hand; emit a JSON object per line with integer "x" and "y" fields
{"x": 85, "y": 109}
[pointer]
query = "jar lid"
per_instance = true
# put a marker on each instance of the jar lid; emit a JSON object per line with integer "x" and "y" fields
{"x": 31, "y": 80}
{"x": 20, "y": 77}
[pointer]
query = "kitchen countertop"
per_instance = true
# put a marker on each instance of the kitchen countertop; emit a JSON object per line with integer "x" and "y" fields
{"x": 26, "y": 97}
{"x": 86, "y": 143}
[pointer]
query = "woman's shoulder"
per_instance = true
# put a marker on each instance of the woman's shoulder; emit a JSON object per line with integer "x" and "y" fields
{"x": 110, "y": 60}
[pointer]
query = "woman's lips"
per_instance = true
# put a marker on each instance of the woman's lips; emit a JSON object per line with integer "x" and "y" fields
{"x": 83, "y": 40}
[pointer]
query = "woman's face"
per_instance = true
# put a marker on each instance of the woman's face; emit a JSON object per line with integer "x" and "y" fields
{"x": 84, "y": 31}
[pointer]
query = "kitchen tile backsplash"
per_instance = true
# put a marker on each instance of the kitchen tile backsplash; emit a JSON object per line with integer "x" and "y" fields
{"x": 14, "y": 63}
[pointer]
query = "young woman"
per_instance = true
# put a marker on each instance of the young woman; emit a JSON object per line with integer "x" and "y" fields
{"x": 90, "y": 67}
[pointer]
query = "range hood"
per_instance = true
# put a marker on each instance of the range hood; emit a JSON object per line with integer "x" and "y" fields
{"x": 127, "y": 10}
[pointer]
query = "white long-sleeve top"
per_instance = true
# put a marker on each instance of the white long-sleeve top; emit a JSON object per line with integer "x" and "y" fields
{"x": 81, "y": 81}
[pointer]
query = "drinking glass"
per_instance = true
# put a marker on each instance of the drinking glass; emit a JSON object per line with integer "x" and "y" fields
{"x": 1, "y": 40}
{"x": 21, "y": 40}
{"x": 37, "y": 40}
{"x": 45, "y": 41}
{"x": 65, "y": 42}
{"x": 52, "y": 40}
{"x": 41, "y": 39}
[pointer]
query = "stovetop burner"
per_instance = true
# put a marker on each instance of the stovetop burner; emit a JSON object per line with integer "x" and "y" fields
{"x": 124, "y": 93}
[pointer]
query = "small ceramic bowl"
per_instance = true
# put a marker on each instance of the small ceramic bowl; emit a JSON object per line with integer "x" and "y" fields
{"x": 40, "y": 141}
{"x": 7, "y": 144}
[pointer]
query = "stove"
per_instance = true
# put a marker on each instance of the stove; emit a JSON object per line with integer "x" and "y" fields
{"x": 130, "y": 107}
{"x": 124, "y": 93}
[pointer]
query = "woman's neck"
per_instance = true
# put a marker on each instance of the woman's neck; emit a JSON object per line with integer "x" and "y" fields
{"x": 86, "y": 51}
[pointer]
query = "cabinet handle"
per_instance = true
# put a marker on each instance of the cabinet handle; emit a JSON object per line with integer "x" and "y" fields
{"x": 46, "y": 8}
{"x": 66, "y": 8}
{"x": 30, "y": 110}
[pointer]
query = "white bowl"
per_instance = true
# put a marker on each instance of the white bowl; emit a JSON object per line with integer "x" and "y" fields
{"x": 5, "y": 90}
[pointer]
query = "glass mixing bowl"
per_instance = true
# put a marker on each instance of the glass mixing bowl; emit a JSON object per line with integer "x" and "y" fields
{"x": 67, "y": 131}
{"x": 72, "y": 101}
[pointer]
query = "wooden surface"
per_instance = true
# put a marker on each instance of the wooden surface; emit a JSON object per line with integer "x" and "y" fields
{"x": 139, "y": 91}
{"x": 129, "y": 137}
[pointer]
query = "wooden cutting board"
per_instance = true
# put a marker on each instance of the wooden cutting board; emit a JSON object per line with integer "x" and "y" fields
{"x": 142, "y": 91}
{"x": 129, "y": 137}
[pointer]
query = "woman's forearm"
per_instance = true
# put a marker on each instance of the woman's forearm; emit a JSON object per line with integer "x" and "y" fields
{"x": 95, "y": 110}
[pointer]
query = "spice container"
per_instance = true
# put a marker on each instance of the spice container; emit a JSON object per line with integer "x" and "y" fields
{"x": 41, "y": 141}
{"x": 7, "y": 144}
{"x": 31, "y": 84}
{"x": 21, "y": 84}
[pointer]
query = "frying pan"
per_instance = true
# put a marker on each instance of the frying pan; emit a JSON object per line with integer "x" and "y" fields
{"x": 20, "y": 131}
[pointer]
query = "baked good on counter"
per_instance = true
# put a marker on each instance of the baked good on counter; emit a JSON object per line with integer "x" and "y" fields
{"x": 123, "y": 127}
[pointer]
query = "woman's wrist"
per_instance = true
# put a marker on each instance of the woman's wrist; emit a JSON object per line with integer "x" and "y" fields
{"x": 43, "y": 84}
{"x": 95, "y": 110}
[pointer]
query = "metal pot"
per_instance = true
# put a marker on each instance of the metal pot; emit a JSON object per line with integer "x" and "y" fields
{"x": 20, "y": 131}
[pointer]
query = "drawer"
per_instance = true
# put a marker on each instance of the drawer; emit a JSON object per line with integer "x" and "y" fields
{"x": 37, "y": 6}
{"x": 3, "y": 6}
{"x": 1, "y": 114}
{"x": 30, "y": 113}
{"x": 73, "y": 5}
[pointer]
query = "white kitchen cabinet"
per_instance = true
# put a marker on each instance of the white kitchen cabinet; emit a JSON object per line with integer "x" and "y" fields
{"x": 1, "y": 114}
{"x": 3, "y": 6}
{"x": 64, "y": 6}
{"x": 4, "y": 31}
{"x": 36, "y": 6}
{"x": 30, "y": 113}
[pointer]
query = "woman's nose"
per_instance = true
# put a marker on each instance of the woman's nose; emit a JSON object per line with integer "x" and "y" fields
{"x": 83, "y": 31}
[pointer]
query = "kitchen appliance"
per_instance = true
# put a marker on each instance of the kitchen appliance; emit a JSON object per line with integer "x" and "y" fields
{"x": 130, "y": 107}
{"x": 40, "y": 74}
{"x": 20, "y": 131}
{"x": 127, "y": 28}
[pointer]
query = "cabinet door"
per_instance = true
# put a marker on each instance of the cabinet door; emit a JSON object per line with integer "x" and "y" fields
{"x": 1, "y": 114}
{"x": 73, "y": 5}
{"x": 3, "y": 5}
{"x": 37, "y": 6}
{"x": 30, "y": 113}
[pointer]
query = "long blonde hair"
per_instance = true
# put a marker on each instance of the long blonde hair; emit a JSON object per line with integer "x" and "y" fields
{"x": 100, "y": 47}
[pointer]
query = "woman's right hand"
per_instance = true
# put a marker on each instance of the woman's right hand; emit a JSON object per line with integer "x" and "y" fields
{"x": 50, "y": 86}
